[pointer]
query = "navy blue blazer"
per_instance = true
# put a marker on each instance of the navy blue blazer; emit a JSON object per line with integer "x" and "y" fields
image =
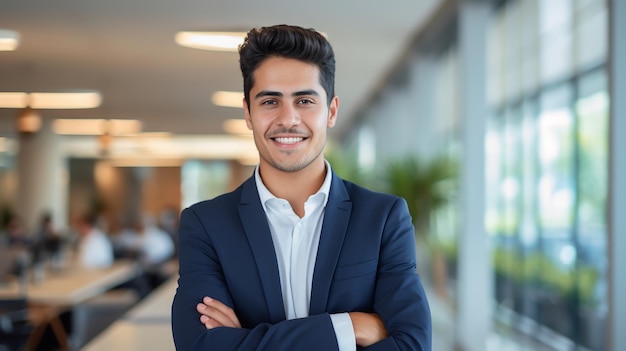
{"x": 365, "y": 262}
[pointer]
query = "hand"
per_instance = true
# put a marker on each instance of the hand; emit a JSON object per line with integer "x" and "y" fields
{"x": 214, "y": 314}
{"x": 368, "y": 328}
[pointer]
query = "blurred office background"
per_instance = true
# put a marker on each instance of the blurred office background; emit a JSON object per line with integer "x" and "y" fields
{"x": 500, "y": 122}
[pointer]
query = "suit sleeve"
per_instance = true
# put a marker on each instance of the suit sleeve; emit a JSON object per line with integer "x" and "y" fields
{"x": 201, "y": 275}
{"x": 400, "y": 299}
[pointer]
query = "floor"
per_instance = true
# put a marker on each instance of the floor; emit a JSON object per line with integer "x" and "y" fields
{"x": 444, "y": 332}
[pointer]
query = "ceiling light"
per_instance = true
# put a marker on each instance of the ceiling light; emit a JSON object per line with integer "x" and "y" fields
{"x": 146, "y": 162}
{"x": 96, "y": 126}
{"x": 65, "y": 100}
{"x": 123, "y": 126}
{"x": 75, "y": 100}
{"x": 79, "y": 126}
{"x": 146, "y": 135}
{"x": 236, "y": 127}
{"x": 13, "y": 100}
{"x": 9, "y": 40}
{"x": 228, "y": 98}
{"x": 217, "y": 41}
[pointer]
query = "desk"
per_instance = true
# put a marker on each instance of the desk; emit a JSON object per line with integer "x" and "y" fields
{"x": 61, "y": 290}
{"x": 146, "y": 327}
{"x": 73, "y": 285}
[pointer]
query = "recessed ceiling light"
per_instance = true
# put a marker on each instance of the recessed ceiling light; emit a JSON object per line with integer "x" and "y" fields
{"x": 217, "y": 41}
{"x": 13, "y": 100}
{"x": 9, "y": 40}
{"x": 65, "y": 100}
{"x": 146, "y": 162}
{"x": 74, "y": 100}
{"x": 96, "y": 126}
{"x": 228, "y": 98}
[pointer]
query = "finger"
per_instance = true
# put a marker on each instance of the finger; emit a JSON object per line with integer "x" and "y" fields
{"x": 218, "y": 316}
{"x": 212, "y": 312}
{"x": 223, "y": 311}
{"x": 209, "y": 323}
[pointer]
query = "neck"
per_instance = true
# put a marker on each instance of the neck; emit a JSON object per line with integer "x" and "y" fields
{"x": 295, "y": 187}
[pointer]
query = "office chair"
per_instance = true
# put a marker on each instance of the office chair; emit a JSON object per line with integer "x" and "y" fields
{"x": 15, "y": 325}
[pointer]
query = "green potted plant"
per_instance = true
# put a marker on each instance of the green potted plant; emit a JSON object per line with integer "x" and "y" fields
{"x": 427, "y": 186}
{"x": 345, "y": 165}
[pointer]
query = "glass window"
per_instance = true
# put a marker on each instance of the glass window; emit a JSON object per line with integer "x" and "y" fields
{"x": 530, "y": 45}
{"x": 528, "y": 225}
{"x": 556, "y": 188}
{"x": 510, "y": 185}
{"x": 493, "y": 174}
{"x": 202, "y": 180}
{"x": 591, "y": 37}
{"x": 547, "y": 151}
{"x": 555, "y": 40}
{"x": 592, "y": 110}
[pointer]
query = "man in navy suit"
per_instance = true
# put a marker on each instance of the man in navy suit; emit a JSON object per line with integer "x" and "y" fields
{"x": 297, "y": 258}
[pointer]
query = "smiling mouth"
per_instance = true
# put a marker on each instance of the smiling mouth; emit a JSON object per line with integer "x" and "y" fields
{"x": 289, "y": 140}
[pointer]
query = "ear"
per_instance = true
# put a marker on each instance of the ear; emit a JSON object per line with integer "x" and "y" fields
{"x": 332, "y": 112}
{"x": 246, "y": 111}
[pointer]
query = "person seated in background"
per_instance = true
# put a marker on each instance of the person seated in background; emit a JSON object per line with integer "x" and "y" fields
{"x": 168, "y": 221}
{"x": 126, "y": 240}
{"x": 19, "y": 247}
{"x": 17, "y": 233}
{"x": 145, "y": 241}
{"x": 94, "y": 248}
{"x": 46, "y": 236}
{"x": 157, "y": 245}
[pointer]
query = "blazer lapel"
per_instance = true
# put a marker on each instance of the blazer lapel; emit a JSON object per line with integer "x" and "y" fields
{"x": 258, "y": 232}
{"x": 334, "y": 229}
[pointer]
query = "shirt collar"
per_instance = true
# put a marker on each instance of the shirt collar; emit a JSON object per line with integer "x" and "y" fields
{"x": 265, "y": 194}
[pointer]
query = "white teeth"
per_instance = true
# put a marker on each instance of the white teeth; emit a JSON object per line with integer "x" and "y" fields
{"x": 289, "y": 140}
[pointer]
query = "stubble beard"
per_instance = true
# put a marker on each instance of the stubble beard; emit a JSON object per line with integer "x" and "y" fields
{"x": 294, "y": 166}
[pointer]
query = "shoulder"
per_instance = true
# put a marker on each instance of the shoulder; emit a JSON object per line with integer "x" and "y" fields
{"x": 358, "y": 194}
{"x": 365, "y": 201}
{"x": 216, "y": 202}
{"x": 220, "y": 205}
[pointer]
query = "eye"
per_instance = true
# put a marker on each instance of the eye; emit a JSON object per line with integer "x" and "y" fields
{"x": 305, "y": 101}
{"x": 269, "y": 102}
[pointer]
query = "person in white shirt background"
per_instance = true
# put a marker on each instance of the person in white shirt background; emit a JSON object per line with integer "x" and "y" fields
{"x": 141, "y": 239}
{"x": 94, "y": 247}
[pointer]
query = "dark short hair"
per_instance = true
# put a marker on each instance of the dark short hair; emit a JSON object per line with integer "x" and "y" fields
{"x": 287, "y": 41}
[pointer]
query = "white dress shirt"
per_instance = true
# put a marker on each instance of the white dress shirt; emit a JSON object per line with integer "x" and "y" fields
{"x": 157, "y": 245}
{"x": 296, "y": 241}
{"x": 95, "y": 250}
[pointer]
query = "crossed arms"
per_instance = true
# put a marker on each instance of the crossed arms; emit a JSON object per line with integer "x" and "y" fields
{"x": 368, "y": 327}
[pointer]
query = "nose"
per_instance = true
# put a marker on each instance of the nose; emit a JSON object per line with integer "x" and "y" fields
{"x": 288, "y": 116}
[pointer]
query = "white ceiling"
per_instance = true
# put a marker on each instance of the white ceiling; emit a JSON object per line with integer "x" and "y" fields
{"x": 125, "y": 49}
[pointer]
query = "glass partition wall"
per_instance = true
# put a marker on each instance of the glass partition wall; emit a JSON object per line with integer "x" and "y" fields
{"x": 547, "y": 148}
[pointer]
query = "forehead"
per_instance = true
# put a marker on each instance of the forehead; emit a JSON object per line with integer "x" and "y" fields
{"x": 285, "y": 73}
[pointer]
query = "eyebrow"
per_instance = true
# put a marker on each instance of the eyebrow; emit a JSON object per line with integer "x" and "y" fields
{"x": 265, "y": 93}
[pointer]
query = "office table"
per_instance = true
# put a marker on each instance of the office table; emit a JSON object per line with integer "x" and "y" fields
{"x": 72, "y": 285}
{"x": 145, "y": 327}
{"x": 61, "y": 290}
